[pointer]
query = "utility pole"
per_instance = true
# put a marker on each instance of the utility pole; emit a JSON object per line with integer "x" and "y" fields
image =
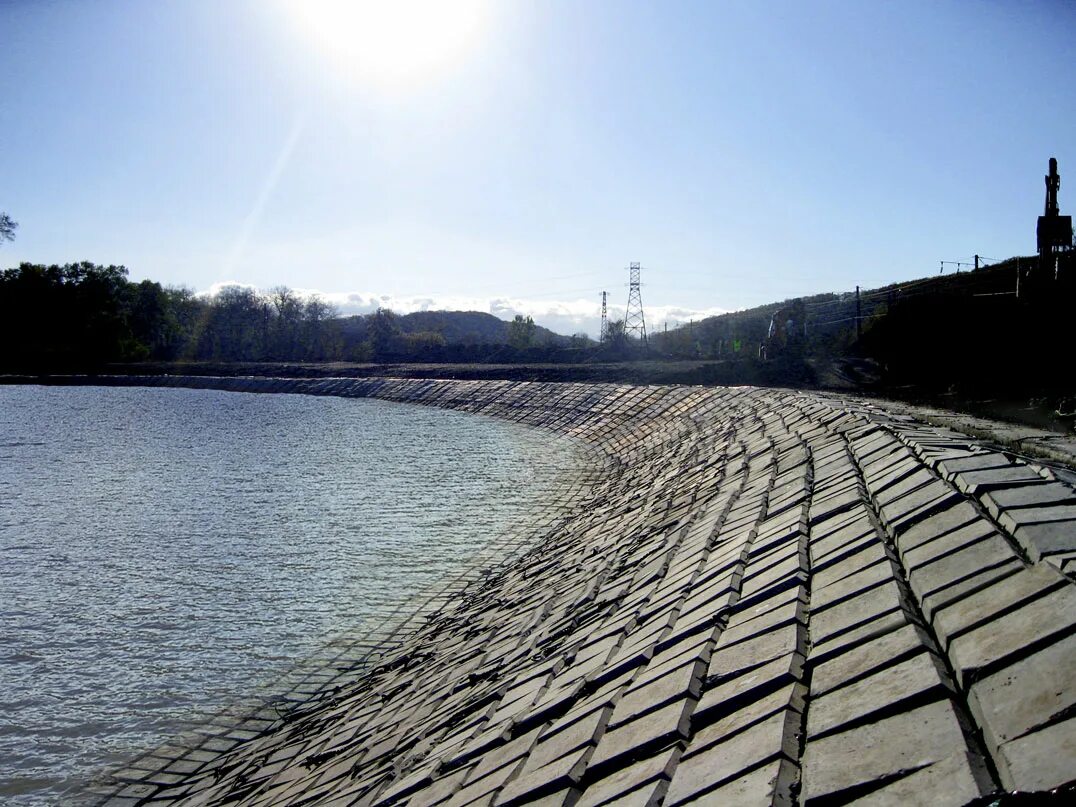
{"x": 859, "y": 316}
{"x": 634, "y": 321}
{"x": 976, "y": 263}
{"x": 603, "y": 336}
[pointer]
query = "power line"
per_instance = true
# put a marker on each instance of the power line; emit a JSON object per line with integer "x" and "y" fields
{"x": 832, "y": 321}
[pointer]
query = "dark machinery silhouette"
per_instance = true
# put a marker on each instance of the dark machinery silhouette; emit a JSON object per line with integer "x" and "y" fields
{"x": 1054, "y": 230}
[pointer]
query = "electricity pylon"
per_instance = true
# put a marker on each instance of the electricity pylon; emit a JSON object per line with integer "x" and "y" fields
{"x": 604, "y": 334}
{"x": 634, "y": 321}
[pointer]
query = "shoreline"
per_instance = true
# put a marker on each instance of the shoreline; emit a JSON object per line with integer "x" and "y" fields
{"x": 761, "y": 597}
{"x": 1035, "y": 433}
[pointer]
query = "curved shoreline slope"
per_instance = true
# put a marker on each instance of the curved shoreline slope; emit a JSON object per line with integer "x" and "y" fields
{"x": 763, "y": 597}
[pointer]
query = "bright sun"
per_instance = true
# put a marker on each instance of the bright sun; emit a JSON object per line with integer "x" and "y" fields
{"x": 390, "y": 41}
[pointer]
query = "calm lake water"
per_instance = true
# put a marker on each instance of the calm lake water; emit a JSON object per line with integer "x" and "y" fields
{"x": 163, "y": 552}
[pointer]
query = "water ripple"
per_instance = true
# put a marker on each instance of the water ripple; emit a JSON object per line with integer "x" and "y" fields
{"x": 165, "y": 550}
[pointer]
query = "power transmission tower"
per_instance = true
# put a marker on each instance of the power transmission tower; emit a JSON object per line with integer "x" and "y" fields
{"x": 604, "y": 336}
{"x": 634, "y": 322}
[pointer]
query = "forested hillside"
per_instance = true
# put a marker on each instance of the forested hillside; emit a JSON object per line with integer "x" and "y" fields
{"x": 1001, "y": 331}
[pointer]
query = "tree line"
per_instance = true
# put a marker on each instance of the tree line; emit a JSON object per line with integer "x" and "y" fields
{"x": 82, "y": 314}
{"x": 78, "y": 316}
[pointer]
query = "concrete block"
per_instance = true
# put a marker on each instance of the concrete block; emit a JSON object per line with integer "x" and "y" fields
{"x": 712, "y": 594}
{"x": 913, "y": 739}
{"x": 681, "y": 683}
{"x": 932, "y": 572}
{"x": 558, "y": 697}
{"x": 786, "y": 528}
{"x": 568, "y": 735}
{"x": 840, "y": 529}
{"x": 860, "y": 660}
{"x": 731, "y": 658}
{"x": 890, "y": 468}
{"x": 482, "y": 789}
{"x": 885, "y": 690}
{"x": 977, "y": 652}
{"x": 692, "y": 625}
{"x": 864, "y": 632}
{"x": 561, "y": 796}
{"x": 631, "y": 778}
{"x": 769, "y": 740}
{"x": 933, "y": 601}
{"x": 558, "y": 774}
{"x": 786, "y": 606}
{"x": 1051, "y": 538}
{"x": 442, "y": 788}
{"x": 728, "y": 694}
{"x": 933, "y": 454}
{"x": 938, "y": 525}
{"x": 846, "y": 580}
{"x": 1044, "y": 493}
{"x": 505, "y": 753}
{"x": 789, "y": 573}
{"x": 1012, "y": 520}
{"x": 976, "y": 462}
{"x": 749, "y": 712}
{"x": 1062, "y": 561}
{"x": 864, "y": 551}
{"x": 843, "y": 546}
{"x": 826, "y": 507}
{"x": 982, "y": 606}
{"x": 956, "y": 781}
{"x": 904, "y": 512}
{"x": 767, "y": 786}
{"x": 846, "y": 614}
{"x": 951, "y": 541}
{"x": 975, "y": 483}
{"x": 1027, "y": 694}
{"x": 651, "y": 794}
{"x": 673, "y": 654}
{"x": 1040, "y": 761}
{"x": 665, "y": 725}
{"x": 898, "y": 484}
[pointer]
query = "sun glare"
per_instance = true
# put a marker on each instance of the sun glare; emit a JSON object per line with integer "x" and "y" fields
{"x": 391, "y": 41}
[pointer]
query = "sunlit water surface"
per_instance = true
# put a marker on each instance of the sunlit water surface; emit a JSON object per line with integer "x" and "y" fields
{"x": 164, "y": 551}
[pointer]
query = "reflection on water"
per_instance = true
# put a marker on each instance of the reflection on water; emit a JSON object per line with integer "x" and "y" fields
{"x": 162, "y": 551}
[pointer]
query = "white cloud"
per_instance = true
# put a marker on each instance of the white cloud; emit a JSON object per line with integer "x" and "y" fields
{"x": 213, "y": 290}
{"x": 560, "y": 316}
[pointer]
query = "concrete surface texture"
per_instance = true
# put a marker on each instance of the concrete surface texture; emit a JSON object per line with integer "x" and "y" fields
{"x": 759, "y": 597}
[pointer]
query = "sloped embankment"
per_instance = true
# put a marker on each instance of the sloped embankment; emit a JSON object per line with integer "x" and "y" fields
{"x": 763, "y": 597}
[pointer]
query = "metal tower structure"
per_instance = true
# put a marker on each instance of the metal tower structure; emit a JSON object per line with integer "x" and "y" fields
{"x": 634, "y": 321}
{"x": 604, "y": 335}
{"x": 1054, "y": 232}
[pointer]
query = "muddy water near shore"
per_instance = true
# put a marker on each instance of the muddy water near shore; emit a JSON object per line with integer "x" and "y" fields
{"x": 163, "y": 551}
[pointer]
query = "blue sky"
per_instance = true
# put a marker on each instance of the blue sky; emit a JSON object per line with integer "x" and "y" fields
{"x": 743, "y": 152}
